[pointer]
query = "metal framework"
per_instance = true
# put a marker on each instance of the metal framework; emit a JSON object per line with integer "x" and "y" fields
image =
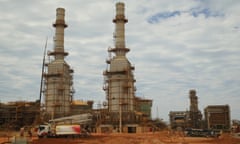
{"x": 58, "y": 76}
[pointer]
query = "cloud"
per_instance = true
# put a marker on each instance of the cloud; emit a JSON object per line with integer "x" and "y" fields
{"x": 206, "y": 12}
{"x": 195, "y": 12}
{"x": 161, "y": 16}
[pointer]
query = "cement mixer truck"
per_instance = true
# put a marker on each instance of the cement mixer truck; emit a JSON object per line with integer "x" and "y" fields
{"x": 74, "y": 126}
{"x": 59, "y": 131}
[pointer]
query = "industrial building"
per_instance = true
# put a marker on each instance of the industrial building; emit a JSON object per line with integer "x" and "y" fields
{"x": 235, "y": 126}
{"x": 179, "y": 119}
{"x": 144, "y": 106}
{"x": 80, "y": 107}
{"x": 58, "y": 77}
{"x": 187, "y": 119}
{"x": 218, "y": 117}
{"x": 14, "y": 115}
{"x": 195, "y": 115}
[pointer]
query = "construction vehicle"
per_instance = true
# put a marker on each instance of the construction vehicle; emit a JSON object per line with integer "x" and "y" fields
{"x": 75, "y": 126}
{"x": 59, "y": 130}
{"x": 201, "y": 132}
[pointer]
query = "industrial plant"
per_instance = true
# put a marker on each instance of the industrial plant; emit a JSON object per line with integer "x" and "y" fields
{"x": 216, "y": 116}
{"x": 123, "y": 111}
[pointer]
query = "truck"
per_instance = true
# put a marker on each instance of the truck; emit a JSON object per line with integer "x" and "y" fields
{"x": 75, "y": 126}
{"x": 48, "y": 130}
{"x": 201, "y": 132}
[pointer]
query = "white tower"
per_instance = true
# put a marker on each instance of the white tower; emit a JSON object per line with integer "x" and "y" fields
{"x": 58, "y": 79}
{"x": 119, "y": 78}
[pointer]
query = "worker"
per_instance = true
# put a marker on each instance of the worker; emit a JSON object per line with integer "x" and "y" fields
{"x": 22, "y": 131}
{"x": 30, "y": 133}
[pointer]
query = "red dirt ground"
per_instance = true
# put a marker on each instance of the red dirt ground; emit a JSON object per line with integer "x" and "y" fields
{"x": 143, "y": 138}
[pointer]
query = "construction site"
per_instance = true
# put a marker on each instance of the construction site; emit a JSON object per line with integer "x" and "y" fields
{"x": 122, "y": 113}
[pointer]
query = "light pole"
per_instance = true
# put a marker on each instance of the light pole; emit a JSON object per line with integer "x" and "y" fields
{"x": 208, "y": 120}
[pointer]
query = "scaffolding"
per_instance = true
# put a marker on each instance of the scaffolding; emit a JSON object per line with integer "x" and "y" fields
{"x": 195, "y": 114}
{"x": 58, "y": 91}
{"x": 58, "y": 76}
{"x": 119, "y": 88}
{"x": 15, "y": 115}
{"x": 119, "y": 79}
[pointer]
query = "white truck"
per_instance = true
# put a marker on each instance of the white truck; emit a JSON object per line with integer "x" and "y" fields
{"x": 66, "y": 126}
{"x": 48, "y": 130}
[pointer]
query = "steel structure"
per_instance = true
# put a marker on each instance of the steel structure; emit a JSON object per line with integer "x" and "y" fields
{"x": 119, "y": 78}
{"x": 58, "y": 78}
{"x": 218, "y": 117}
{"x": 195, "y": 113}
{"x": 14, "y": 115}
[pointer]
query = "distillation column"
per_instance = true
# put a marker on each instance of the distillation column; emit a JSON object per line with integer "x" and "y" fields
{"x": 119, "y": 78}
{"x": 58, "y": 79}
{"x": 195, "y": 113}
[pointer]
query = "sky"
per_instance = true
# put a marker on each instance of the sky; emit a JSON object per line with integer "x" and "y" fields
{"x": 175, "y": 46}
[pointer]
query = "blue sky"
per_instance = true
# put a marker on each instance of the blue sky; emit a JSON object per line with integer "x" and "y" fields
{"x": 175, "y": 46}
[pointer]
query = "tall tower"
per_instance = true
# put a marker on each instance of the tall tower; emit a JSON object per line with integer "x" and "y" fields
{"x": 59, "y": 75}
{"x": 195, "y": 113}
{"x": 119, "y": 78}
{"x": 193, "y": 101}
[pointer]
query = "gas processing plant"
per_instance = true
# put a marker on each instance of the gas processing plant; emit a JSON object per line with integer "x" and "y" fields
{"x": 123, "y": 111}
{"x": 217, "y": 117}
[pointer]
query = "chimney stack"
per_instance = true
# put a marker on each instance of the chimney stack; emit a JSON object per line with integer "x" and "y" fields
{"x": 120, "y": 21}
{"x": 58, "y": 87}
{"x": 59, "y": 34}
